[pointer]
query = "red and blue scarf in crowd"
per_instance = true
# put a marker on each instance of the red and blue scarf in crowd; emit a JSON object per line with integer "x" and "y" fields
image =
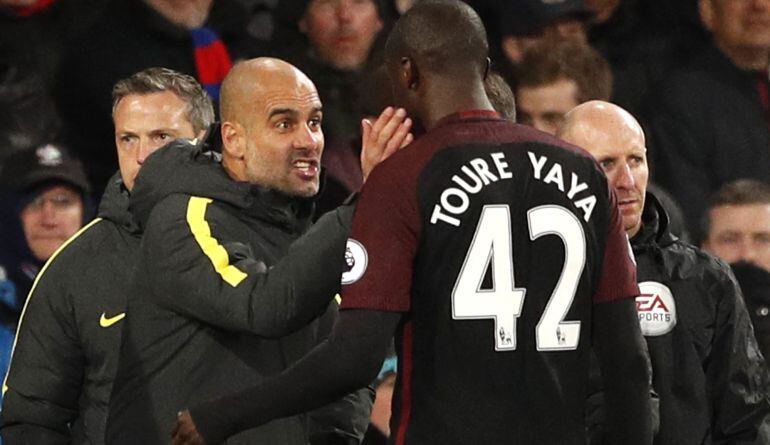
{"x": 212, "y": 61}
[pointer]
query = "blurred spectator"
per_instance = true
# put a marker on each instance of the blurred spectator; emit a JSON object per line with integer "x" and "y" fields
{"x": 737, "y": 223}
{"x": 554, "y": 77}
{"x": 340, "y": 37}
{"x": 524, "y": 23}
{"x": 196, "y": 37}
{"x": 341, "y": 32}
{"x": 44, "y": 202}
{"x": 709, "y": 120}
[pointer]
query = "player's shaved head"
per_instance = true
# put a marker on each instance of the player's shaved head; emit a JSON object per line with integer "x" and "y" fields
{"x": 596, "y": 121}
{"x": 442, "y": 36}
{"x": 247, "y": 79}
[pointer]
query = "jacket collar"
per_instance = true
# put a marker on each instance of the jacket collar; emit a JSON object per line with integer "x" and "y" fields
{"x": 291, "y": 213}
{"x": 114, "y": 205}
{"x": 655, "y": 225}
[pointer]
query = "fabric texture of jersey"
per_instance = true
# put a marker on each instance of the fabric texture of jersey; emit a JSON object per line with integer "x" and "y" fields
{"x": 467, "y": 232}
{"x": 212, "y": 309}
{"x": 66, "y": 352}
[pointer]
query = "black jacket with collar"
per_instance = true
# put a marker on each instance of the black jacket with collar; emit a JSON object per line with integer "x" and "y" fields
{"x": 707, "y": 369}
{"x": 65, "y": 357}
{"x": 233, "y": 285}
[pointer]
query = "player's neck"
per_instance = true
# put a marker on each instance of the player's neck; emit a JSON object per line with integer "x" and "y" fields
{"x": 441, "y": 102}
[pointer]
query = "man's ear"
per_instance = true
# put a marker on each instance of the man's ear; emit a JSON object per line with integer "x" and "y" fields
{"x": 487, "y": 68}
{"x": 410, "y": 75}
{"x": 707, "y": 13}
{"x": 232, "y": 139}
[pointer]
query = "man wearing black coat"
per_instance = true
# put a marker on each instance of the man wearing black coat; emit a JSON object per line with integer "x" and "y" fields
{"x": 712, "y": 381}
{"x": 65, "y": 357}
{"x": 233, "y": 283}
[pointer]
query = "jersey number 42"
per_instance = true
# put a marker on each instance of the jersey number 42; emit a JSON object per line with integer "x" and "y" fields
{"x": 492, "y": 247}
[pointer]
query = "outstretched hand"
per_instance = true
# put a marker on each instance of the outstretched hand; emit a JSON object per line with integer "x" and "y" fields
{"x": 390, "y": 133}
{"x": 185, "y": 432}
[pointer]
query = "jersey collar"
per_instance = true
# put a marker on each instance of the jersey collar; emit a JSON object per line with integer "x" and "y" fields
{"x": 468, "y": 115}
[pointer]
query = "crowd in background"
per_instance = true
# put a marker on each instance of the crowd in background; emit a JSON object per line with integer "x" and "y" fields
{"x": 695, "y": 73}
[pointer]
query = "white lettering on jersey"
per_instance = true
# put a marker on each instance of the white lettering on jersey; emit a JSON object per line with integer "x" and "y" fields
{"x": 472, "y": 178}
{"x": 555, "y": 176}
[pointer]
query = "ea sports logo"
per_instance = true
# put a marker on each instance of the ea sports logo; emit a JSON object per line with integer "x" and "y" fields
{"x": 356, "y": 261}
{"x": 656, "y": 309}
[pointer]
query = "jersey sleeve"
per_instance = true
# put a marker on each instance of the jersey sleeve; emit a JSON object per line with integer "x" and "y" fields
{"x": 381, "y": 250}
{"x": 618, "y": 276}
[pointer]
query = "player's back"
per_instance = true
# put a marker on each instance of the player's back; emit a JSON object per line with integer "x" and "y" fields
{"x": 509, "y": 232}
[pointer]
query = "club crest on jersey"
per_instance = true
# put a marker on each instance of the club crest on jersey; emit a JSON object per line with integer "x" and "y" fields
{"x": 656, "y": 309}
{"x": 356, "y": 260}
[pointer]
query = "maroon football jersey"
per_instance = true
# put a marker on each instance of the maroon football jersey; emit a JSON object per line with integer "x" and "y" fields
{"x": 495, "y": 241}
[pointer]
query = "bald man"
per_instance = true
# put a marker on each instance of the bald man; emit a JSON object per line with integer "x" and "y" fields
{"x": 485, "y": 355}
{"x": 707, "y": 369}
{"x": 232, "y": 284}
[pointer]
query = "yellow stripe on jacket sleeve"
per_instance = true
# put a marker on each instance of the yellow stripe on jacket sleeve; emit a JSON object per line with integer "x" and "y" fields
{"x": 34, "y": 285}
{"x": 196, "y": 219}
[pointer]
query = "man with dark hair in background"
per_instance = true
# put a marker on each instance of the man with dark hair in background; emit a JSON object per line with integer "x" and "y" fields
{"x": 66, "y": 355}
{"x": 480, "y": 360}
{"x": 555, "y": 77}
{"x": 714, "y": 394}
{"x": 737, "y": 223}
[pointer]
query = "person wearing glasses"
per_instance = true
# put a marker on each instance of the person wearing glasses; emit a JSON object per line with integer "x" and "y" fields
{"x": 44, "y": 202}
